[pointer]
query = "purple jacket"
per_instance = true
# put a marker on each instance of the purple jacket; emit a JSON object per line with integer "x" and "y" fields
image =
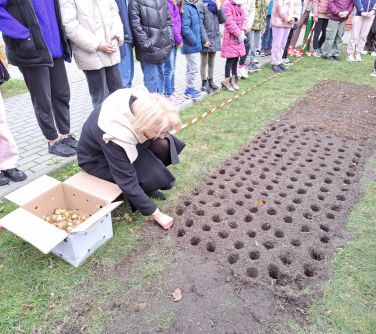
{"x": 364, "y": 6}
{"x": 336, "y": 6}
{"x": 176, "y": 21}
{"x": 235, "y": 24}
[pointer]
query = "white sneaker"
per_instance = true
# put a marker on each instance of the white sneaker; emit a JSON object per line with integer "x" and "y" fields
{"x": 364, "y": 52}
{"x": 243, "y": 73}
{"x": 350, "y": 58}
{"x": 373, "y": 54}
{"x": 357, "y": 57}
{"x": 373, "y": 74}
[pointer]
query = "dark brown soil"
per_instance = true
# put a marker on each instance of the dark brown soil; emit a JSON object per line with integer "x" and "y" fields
{"x": 260, "y": 229}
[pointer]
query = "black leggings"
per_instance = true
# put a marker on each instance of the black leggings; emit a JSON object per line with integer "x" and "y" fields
{"x": 286, "y": 51}
{"x": 320, "y": 28}
{"x": 231, "y": 67}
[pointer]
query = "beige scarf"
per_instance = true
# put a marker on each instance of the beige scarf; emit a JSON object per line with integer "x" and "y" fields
{"x": 116, "y": 121}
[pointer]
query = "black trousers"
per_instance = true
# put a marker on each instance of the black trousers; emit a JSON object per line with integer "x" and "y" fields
{"x": 103, "y": 82}
{"x": 231, "y": 67}
{"x": 319, "y": 33}
{"x": 50, "y": 95}
{"x": 285, "y": 52}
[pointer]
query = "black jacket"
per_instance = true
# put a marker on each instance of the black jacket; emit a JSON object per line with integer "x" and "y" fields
{"x": 32, "y": 52}
{"x": 152, "y": 31}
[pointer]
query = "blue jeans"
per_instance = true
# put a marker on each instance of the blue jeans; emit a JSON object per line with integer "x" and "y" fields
{"x": 126, "y": 67}
{"x": 153, "y": 77}
{"x": 266, "y": 41}
{"x": 169, "y": 73}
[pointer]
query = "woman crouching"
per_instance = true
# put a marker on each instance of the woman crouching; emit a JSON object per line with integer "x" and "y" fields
{"x": 127, "y": 141}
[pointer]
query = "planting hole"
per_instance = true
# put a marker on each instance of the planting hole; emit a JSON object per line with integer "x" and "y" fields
{"x": 206, "y": 228}
{"x": 285, "y": 259}
{"x": 216, "y": 219}
{"x": 265, "y": 226}
{"x": 230, "y": 211}
{"x": 305, "y": 228}
{"x": 223, "y": 234}
{"x": 233, "y": 258}
{"x": 279, "y": 234}
{"x": 251, "y": 234}
{"x": 287, "y": 219}
{"x": 254, "y": 255}
{"x": 271, "y": 211}
{"x": 238, "y": 245}
{"x": 195, "y": 241}
{"x": 268, "y": 245}
{"x": 295, "y": 242}
{"x": 248, "y": 218}
{"x": 316, "y": 255}
{"x": 233, "y": 225}
{"x": 252, "y": 272}
{"x": 210, "y": 247}
{"x": 189, "y": 223}
{"x": 181, "y": 233}
{"x": 325, "y": 239}
{"x": 325, "y": 228}
{"x": 273, "y": 271}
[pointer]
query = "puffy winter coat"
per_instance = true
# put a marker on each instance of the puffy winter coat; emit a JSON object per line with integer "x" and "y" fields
{"x": 175, "y": 21}
{"x": 191, "y": 29}
{"x": 364, "y": 6}
{"x": 32, "y": 52}
{"x": 128, "y": 38}
{"x": 210, "y": 23}
{"x": 236, "y": 24}
{"x": 322, "y": 8}
{"x": 259, "y": 22}
{"x": 284, "y": 11}
{"x": 87, "y": 23}
{"x": 250, "y": 11}
{"x": 337, "y": 6}
{"x": 152, "y": 31}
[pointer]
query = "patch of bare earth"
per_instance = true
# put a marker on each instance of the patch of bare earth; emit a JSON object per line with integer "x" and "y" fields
{"x": 250, "y": 246}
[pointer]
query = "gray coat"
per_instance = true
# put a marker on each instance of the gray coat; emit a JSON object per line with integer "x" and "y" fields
{"x": 210, "y": 24}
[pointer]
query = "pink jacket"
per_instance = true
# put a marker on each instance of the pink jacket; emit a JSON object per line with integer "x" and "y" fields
{"x": 322, "y": 7}
{"x": 234, "y": 26}
{"x": 285, "y": 11}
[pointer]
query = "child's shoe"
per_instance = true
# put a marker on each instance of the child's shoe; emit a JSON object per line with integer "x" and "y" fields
{"x": 357, "y": 57}
{"x": 287, "y": 62}
{"x": 283, "y": 67}
{"x": 234, "y": 82}
{"x": 190, "y": 93}
{"x": 213, "y": 87}
{"x": 350, "y": 57}
{"x": 252, "y": 67}
{"x": 317, "y": 53}
{"x": 373, "y": 74}
{"x": 205, "y": 86}
{"x": 243, "y": 73}
{"x": 226, "y": 85}
{"x": 277, "y": 69}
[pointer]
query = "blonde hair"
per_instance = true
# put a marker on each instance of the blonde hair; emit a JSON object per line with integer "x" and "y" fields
{"x": 154, "y": 112}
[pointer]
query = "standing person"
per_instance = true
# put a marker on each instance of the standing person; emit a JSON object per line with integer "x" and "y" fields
{"x": 319, "y": 32}
{"x": 307, "y": 6}
{"x": 258, "y": 27}
{"x": 373, "y": 73}
{"x": 35, "y": 41}
{"x": 371, "y": 39}
{"x": 233, "y": 42}
{"x": 212, "y": 15}
{"x": 192, "y": 33}
{"x": 250, "y": 11}
{"x": 8, "y": 148}
{"x": 170, "y": 64}
{"x": 339, "y": 11}
{"x": 266, "y": 40}
{"x": 285, "y": 13}
{"x": 95, "y": 31}
{"x": 152, "y": 35}
{"x": 126, "y": 64}
{"x": 361, "y": 25}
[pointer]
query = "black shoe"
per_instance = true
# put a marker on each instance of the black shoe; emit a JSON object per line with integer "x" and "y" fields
{"x": 337, "y": 58}
{"x": 14, "y": 174}
{"x": 60, "y": 149}
{"x": 3, "y": 179}
{"x": 205, "y": 86}
{"x": 157, "y": 195}
{"x": 213, "y": 87}
{"x": 277, "y": 69}
{"x": 328, "y": 58}
{"x": 283, "y": 67}
{"x": 70, "y": 141}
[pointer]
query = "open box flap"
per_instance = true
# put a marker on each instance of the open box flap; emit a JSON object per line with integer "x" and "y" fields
{"x": 33, "y": 229}
{"x": 35, "y": 188}
{"x": 95, "y": 217}
{"x": 90, "y": 184}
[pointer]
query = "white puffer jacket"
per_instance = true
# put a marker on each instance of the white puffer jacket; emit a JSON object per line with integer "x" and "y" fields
{"x": 87, "y": 23}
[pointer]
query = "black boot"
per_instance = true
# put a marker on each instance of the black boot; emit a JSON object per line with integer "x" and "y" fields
{"x": 205, "y": 86}
{"x": 213, "y": 87}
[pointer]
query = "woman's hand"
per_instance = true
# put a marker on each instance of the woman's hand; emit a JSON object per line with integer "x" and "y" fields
{"x": 162, "y": 219}
{"x": 106, "y": 47}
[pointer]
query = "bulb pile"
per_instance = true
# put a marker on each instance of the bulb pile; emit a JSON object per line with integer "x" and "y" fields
{"x": 66, "y": 220}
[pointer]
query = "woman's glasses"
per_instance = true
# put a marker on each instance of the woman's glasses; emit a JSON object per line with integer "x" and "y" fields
{"x": 160, "y": 133}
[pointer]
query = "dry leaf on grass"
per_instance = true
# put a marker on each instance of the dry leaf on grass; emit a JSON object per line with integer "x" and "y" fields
{"x": 177, "y": 295}
{"x": 260, "y": 202}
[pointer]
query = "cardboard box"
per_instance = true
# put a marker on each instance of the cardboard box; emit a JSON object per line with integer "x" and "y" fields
{"x": 81, "y": 192}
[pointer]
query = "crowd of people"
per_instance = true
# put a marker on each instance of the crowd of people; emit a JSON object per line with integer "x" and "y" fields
{"x": 103, "y": 36}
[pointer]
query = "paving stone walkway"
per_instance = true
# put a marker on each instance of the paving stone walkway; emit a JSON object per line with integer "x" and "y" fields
{"x": 34, "y": 158}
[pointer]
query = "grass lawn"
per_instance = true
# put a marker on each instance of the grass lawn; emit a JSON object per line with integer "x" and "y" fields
{"x": 36, "y": 290}
{"x": 13, "y": 87}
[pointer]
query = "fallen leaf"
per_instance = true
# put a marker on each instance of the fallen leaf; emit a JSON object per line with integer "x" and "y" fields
{"x": 139, "y": 307}
{"x": 177, "y": 295}
{"x": 27, "y": 307}
{"x": 82, "y": 329}
{"x": 260, "y": 202}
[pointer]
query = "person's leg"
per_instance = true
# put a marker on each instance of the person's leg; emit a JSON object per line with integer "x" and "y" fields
{"x": 355, "y": 32}
{"x": 192, "y": 68}
{"x": 287, "y": 45}
{"x": 60, "y": 96}
{"x": 228, "y": 67}
{"x": 161, "y": 149}
{"x": 331, "y": 32}
{"x": 243, "y": 59}
{"x": 204, "y": 65}
{"x": 338, "y": 39}
{"x": 257, "y": 40}
{"x": 175, "y": 55}
{"x": 96, "y": 80}
{"x": 316, "y": 33}
{"x": 150, "y": 72}
{"x": 252, "y": 47}
{"x": 276, "y": 45}
{"x": 265, "y": 39}
{"x": 366, "y": 26}
{"x": 323, "y": 32}
{"x": 234, "y": 68}
{"x": 211, "y": 60}
{"x": 168, "y": 73}
{"x": 126, "y": 67}
{"x": 160, "y": 78}
{"x": 8, "y": 148}
{"x": 113, "y": 78}
{"x": 301, "y": 22}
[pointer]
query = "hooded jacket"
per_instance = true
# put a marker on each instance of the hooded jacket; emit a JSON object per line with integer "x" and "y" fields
{"x": 191, "y": 29}
{"x": 364, "y": 6}
{"x": 337, "y": 6}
